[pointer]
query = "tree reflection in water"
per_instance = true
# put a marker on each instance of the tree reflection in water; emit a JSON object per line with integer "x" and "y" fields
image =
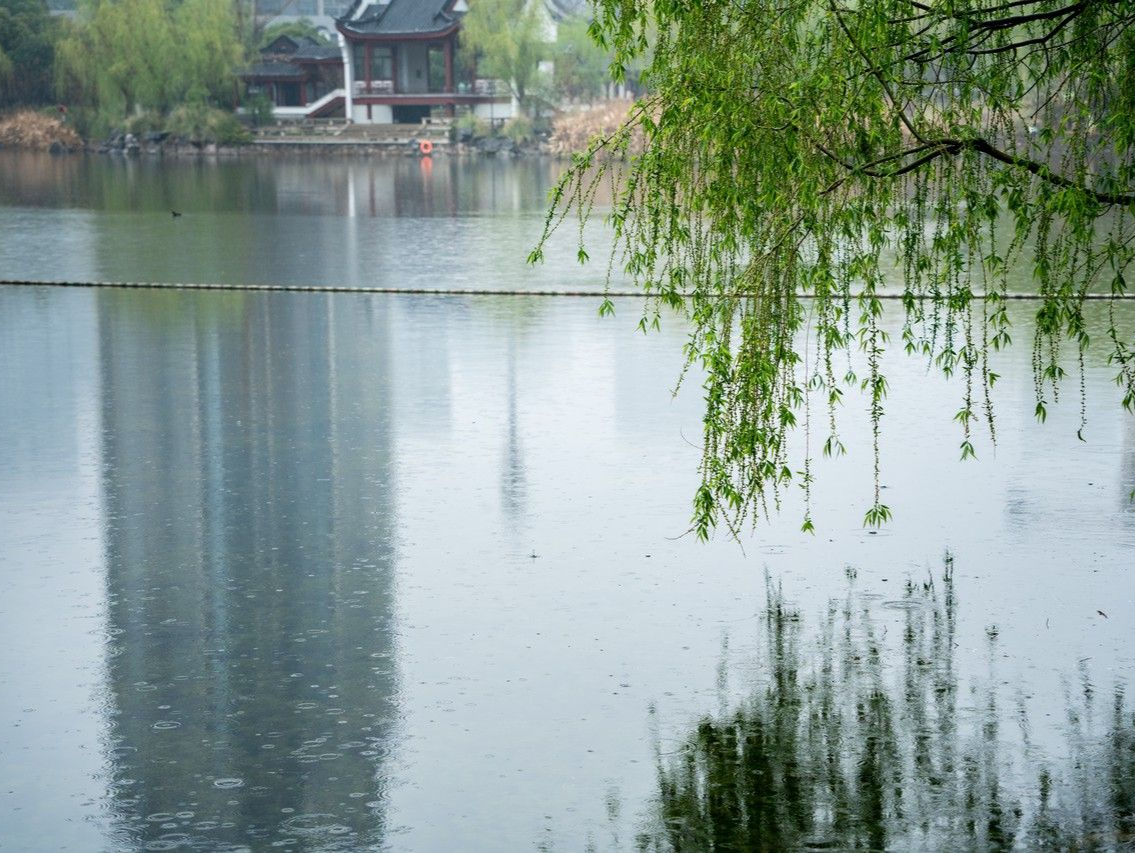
{"x": 852, "y": 749}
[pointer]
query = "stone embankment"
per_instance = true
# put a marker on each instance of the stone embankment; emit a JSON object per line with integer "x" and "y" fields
{"x": 572, "y": 131}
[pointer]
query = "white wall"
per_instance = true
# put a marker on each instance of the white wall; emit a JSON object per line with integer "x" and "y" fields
{"x": 381, "y": 114}
{"x": 493, "y": 111}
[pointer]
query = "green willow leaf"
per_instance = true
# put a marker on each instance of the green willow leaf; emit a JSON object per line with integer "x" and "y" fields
{"x": 795, "y": 165}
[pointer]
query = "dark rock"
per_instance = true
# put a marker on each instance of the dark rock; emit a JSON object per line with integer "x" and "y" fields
{"x": 113, "y": 144}
{"x": 495, "y": 145}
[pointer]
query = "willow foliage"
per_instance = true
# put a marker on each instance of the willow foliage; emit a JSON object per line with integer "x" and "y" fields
{"x": 128, "y": 55}
{"x": 796, "y": 153}
{"x": 505, "y": 39}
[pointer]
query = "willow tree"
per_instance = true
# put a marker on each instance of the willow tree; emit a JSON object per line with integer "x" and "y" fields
{"x": 209, "y": 51}
{"x": 124, "y": 56}
{"x": 505, "y": 39}
{"x": 795, "y": 155}
{"x": 5, "y": 67}
{"x": 27, "y": 44}
{"x": 580, "y": 69}
{"x": 118, "y": 56}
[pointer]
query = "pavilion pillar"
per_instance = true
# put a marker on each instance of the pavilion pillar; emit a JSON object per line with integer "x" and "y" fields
{"x": 449, "y": 66}
{"x": 349, "y": 71}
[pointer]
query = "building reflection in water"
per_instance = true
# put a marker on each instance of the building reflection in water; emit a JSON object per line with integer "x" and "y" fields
{"x": 513, "y": 477}
{"x": 249, "y": 512}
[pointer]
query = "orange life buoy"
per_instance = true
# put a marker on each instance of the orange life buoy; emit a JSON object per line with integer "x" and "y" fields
{"x": 425, "y": 146}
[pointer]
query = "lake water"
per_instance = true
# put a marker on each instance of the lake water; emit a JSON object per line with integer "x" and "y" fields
{"x": 387, "y": 222}
{"x": 358, "y": 571}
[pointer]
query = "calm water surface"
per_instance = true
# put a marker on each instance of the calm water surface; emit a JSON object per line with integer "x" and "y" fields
{"x": 381, "y": 222}
{"x": 339, "y": 572}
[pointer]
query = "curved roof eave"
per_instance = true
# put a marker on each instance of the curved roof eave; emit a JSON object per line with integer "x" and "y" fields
{"x": 347, "y": 30}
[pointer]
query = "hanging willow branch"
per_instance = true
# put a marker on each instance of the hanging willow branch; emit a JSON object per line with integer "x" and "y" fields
{"x": 810, "y": 147}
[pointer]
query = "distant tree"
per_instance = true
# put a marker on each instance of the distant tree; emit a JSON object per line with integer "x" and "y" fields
{"x": 5, "y": 68}
{"x": 27, "y": 51}
{"x": 130, "y": 55}
{"x": 118, "y": 57}
{"x": 505, "y": 39}
{"x": 580, "y": 64}
{"x": 209, "y": 51}
{"x": 303, "y": 28}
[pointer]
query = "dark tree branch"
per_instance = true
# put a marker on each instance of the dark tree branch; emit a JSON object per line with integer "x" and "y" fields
{"x": 1016, "y": 20}
{"x": 934, "y": 149}
{"x": 981, "y": 30}
{"x": 1045, "y": 173}
{"x": 1005, "y": 48}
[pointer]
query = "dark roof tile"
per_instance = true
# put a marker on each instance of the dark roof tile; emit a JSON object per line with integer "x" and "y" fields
{"x": 315, "y": 52}
{"x": 272, "y": 69}
{"x": 402, "y": 18}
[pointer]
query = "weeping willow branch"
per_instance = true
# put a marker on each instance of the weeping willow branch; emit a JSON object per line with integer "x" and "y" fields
{"x": 932, "y": 149}
{"x": 802, "y": 150}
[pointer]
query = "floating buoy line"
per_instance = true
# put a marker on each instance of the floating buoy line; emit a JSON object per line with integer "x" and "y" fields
{"x": 453, "y": 291}
{"x": 319, "y": 288}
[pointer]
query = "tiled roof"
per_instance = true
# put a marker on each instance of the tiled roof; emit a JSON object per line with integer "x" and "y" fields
{"x": 288, "y": 52}
{"x": 313, "y": 52}
{"x": 272, "y": 69}
{"x": 401, "y": 18}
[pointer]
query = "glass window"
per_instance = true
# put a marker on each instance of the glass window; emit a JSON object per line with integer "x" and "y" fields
{"x": 382, "y": 64}
{"x": 437, "y": 68}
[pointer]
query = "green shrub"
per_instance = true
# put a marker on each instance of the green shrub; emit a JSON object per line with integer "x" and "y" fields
{"x": 189, "y": 122}
{"x": 143, "y": 122}
{"x": 226, "y": 129}
{"x": 469, "y": 126}
{"x": 260, "y": 110}
{"x": 201, "y": 124}
{"x": 518, "y": 129}
{"x": 91, "y": 122}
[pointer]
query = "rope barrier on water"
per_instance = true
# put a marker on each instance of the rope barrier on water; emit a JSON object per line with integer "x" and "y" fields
{"x": 320, "y": 288}
{"x": 443, "y": 291}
